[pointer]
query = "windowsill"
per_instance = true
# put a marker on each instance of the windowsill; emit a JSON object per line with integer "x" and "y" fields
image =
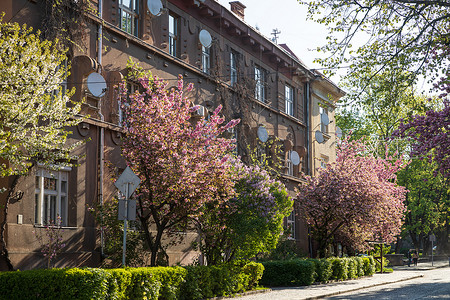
{"x": 62, "y": 227}
{"x": 293, "y": 178}
{"x": 293, "y": 118}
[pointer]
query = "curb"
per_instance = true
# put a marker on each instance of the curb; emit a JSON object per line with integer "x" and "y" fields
{"x": 247, "y": 293}
{"x": 362, "y": 288}
{"x": 425, "y": 268}
{"x": 433, "y": 267}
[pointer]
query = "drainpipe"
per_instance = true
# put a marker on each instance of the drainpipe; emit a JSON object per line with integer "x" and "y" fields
{"x": 102, "y": 130}
{"x": 308, "y": 151}
{"x": 308, "y": 127}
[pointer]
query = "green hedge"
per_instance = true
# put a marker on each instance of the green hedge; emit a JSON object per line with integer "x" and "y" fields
{"x": 288, "y": 273}
{"x": 165, "y": 283}
{"x": 205, "y": 282}
{"x": 307, "y": 271}
{"x": 340, "y": 268}
{"x": 323, "y": 269}
{"x": 369, "y": 265}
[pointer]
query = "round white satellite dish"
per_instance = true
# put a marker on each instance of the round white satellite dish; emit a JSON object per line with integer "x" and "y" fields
{"x": 96, "y": 84}
{"x": 338, "y": 132}
{"x": 155, "y": 7}
{"x": 319, "y": 137}
{"x": 205, "y": 38}
{"x": 324, "y": 118}
{"x": 263, "y": 135}
{"x": 295, "y": 158}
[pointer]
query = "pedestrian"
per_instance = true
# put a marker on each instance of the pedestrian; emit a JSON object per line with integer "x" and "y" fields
{"x": 409, "y": 258}
{"x": 415, "y": 257}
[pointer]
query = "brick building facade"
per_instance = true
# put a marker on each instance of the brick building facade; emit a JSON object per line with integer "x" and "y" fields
{"x": 256, "y": 80}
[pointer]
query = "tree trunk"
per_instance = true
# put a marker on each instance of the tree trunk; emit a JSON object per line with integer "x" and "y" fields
{"x": 416, "y": 242}
{"x": 156, "y": 245}
{"x": 398, "y": 245}
{"x": 4, "y": 250}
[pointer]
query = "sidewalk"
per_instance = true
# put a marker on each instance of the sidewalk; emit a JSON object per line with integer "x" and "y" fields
{"x": 401, "y": 273}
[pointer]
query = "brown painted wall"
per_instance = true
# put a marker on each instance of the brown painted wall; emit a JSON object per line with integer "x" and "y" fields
{"x": 150, "y": 49}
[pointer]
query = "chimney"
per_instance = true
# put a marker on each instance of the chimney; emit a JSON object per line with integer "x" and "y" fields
{"x": 238, "y": 8}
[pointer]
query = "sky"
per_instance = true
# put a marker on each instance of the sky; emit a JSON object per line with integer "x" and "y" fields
{"x": 289, "y": 17}
{"x": 301, "y": 35}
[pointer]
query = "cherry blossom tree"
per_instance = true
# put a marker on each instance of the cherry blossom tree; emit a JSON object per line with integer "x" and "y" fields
{"x": 430, "y": 136}
{"x": 353, "y": 200}
{"x": 182, "y": 162}
{"x": 51, "y": 241}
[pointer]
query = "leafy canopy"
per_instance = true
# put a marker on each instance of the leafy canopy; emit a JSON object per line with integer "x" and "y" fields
{"x": 35, "y": 111}
{"x": 182, "y": 161}
{"x": 249, "y": 223}
{"x": 386, "y": 32}
{"x": 353, "y": 200}
{"x": 428, "y": 202}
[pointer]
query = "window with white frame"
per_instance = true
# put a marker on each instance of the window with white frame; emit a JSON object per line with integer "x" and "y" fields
{"x": 132, "y": 87}
{"x": 289, "y": 164}
{"x": 323, "y": 162}
{"x": 289, "y": 100}
{"x": 260, "y": 80}
{"x": 51, "y": 193}
{"x": 129, "y": 16}
{"x": 290, "y": 220}
{"x": 173, "y": 34}
{"x": 323, "y": 127}
{"x": 206, "y": 59}
{"x": 63, "y": 84}
{"x": 233, "y": 68}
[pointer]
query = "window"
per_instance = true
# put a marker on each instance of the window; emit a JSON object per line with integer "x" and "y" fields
{"x": 129, "y": 10}
{"x": 323, "y": 127}
{"x": 173, "y": 34}
{"x": 289, "y": 164}
{"x": 323, "y": 162}
{"x": 131, "y": 89}
{"x": 289, "y": 100}
{"x": 260, "y": 79}
{"x": 233, "y": 68}
{"x": 206, "y": 59}
{"x": 63, "y": 67}
{"x": 291, "y": 225}
{"x": 233, "y": 134}
{"x": 51, "y": 191}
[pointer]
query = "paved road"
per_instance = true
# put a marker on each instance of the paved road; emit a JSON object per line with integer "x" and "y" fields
{"x": 435, "y": 284}
{"x": 405, "y": 283}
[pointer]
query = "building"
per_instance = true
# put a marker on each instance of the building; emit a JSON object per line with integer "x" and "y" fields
{"x": 229, "y": 62}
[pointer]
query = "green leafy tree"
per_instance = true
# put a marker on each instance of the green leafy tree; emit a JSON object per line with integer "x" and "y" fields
{"x": 373, "y": 109}
{"x": 249, "y": 223}
{"x": 428, "y": 202}
{"x": 388, "y": 32}
{"x": 35, "y": 111}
